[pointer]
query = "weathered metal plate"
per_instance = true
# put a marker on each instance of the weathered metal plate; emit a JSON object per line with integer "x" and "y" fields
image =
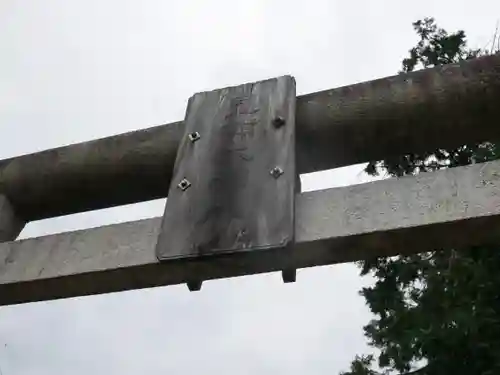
{"x": 234, "y": 178}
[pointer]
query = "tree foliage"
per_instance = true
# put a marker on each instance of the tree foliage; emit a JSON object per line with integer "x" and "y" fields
{"x": 436, "y": 312}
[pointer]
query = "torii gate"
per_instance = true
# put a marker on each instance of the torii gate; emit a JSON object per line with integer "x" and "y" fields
{"x": 230, "y": 172}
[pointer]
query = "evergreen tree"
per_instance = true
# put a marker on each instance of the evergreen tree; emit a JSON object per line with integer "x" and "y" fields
{"x": 436, "y": 312}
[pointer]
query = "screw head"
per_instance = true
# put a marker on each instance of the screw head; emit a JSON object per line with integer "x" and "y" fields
{"x": 184, "y": 184}
{"x": 279, "y": 121}
{"x": 194, "y": 136}
{"x": 276, "y": 172}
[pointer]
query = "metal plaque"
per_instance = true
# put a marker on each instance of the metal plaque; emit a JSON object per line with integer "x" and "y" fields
{"x": 234, "y": 178}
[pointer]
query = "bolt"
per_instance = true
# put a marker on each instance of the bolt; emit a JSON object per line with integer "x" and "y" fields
{"x": 279, "y": 121}
{"x": 194, "y": 136}
{"x": 194, "y": 286}
{"x": 184, "y": 184}
{"x": 289, "y": 276}
{"x": 276, "y": 172}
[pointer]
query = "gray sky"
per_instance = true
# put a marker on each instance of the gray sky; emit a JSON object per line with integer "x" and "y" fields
{"x": 72, "y": 71}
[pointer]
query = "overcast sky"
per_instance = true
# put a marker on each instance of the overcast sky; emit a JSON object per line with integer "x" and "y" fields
{"x": 72, "y": 71}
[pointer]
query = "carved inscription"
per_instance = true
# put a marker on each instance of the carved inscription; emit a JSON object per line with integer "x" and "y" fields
{"x": 244, "y": 119}
{"x": 233, "y": 202}
{"x": 231, "y": 177}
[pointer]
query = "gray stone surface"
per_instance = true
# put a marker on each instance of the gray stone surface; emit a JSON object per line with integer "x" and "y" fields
{"x": 343, "y": 126}
{"x": 11, "y": 224}
{"x": 452, "y": 208}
